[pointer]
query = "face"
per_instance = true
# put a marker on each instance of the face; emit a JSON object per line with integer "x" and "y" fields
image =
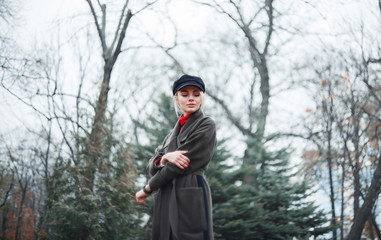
{"x": 189, "y": 99}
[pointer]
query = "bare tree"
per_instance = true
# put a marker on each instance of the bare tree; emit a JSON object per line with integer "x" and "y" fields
{"x": 259, "y": 40}
{"x": 321, "y": 132}
{"x": 349, "y": 101}
{"x": 372, "y": 109}
{"x": 110, "y": 54}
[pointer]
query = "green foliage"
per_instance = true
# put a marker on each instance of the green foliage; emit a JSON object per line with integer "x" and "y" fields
{"x": 259, "y": 200}
{"x": 104, "y": 209}
{"x": 156, "y": 128}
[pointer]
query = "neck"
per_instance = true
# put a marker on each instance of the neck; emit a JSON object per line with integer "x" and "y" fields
{"x": 189, "y": 113}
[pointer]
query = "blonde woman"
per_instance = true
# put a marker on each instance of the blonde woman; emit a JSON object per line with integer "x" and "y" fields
{"x": 182, "y": 202}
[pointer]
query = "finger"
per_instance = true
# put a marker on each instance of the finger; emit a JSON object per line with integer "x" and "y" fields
{"x": 183, "y": 164}
{"x": 184, "y": 161}
{"x": 179, "y": 164}
{"x": 183, "y": 151}
{"x": 184, "y": 158}
{"x": 178, "y": 159}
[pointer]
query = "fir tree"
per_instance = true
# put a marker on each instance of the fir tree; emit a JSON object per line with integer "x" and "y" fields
{"x": 108, "y": 211}
{"x": 260, "y": 200}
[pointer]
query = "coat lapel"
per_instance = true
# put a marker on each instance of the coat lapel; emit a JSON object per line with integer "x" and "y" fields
{"x": 176, "y": 137}
{"x": 188, "y": 126}
{"x": 172, "y": 146}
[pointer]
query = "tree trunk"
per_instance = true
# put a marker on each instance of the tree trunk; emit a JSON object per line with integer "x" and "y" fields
{"x": 366, "y": 208}
{"x": 4, "y": 223}
{"x": 265, "y": 93}
{"x": 376, "y": 228}
{"x": 249, "y": 162}
{"x": 330, "y": 121}
{"x": 342, "y": 197}
{"x": 356, "y": 183}
{"x": 260, "y": 63}
{"x": 370, "y": 227}
{"x": 356, "y": 170}
{"x": 20, "y": 213}
{"x": 96, "y": 148}
{"x": 110, "y": 56}
{"x": 332, "y": 193}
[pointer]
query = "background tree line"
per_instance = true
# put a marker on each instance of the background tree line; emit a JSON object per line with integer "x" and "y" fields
{"x": 297, "y": 110}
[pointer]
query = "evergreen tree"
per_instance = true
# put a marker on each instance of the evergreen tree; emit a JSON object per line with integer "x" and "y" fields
{"x": 260, "y": 200}
{"x": 108, "y": 211}
{"x": 155, "y": 128}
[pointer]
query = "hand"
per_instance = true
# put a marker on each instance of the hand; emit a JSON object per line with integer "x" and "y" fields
{"x": 177, "y": 157}
{"x": 141, "y": 196}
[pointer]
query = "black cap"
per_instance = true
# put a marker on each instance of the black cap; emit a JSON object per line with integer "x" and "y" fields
{"x": 188, "y": 80}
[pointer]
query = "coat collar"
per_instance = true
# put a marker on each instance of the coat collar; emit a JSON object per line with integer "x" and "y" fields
{"x": 176, "y": 136}
{"x": 192, "y": 119}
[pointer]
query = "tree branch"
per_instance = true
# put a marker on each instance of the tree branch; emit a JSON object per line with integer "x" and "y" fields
{"x": 119, "y": 25}
{"x": 373, "y": 60}
{"x": 270, "y": 15}
{"x": 230, "y": 116}
{"x": 146, "y": 6}
{"x": 23, "y": 101}
{"x": 101, "y": 33}
{"x": 8, "y": 192}
{"x": 121, "y": 37}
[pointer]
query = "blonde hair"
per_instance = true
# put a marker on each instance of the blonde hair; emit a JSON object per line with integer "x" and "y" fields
{"x": 178, "y": 110}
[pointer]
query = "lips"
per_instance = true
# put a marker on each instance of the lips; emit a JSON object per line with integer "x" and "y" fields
{"x": 191, "y": 105}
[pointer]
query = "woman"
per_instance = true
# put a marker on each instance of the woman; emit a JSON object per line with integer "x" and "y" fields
{"x": 183, "y": 203}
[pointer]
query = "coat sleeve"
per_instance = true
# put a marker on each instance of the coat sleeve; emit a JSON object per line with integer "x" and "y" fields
{"x": 152, "y": 168}
{"x": 200, "y": 145}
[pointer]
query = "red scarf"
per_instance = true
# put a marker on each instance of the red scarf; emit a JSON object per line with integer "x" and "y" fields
{"x": 183, "y": 120}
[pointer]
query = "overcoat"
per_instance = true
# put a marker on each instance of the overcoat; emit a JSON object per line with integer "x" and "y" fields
{"x": 183, "y": 202}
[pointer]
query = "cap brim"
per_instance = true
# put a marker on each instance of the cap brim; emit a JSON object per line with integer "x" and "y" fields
{"x": 189, "y": 84}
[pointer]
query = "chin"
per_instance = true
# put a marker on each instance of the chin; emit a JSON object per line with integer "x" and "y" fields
{"x": 189, "y": 111}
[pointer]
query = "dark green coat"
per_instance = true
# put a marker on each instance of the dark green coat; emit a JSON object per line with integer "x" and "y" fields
{"x": 183, "y": 202}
